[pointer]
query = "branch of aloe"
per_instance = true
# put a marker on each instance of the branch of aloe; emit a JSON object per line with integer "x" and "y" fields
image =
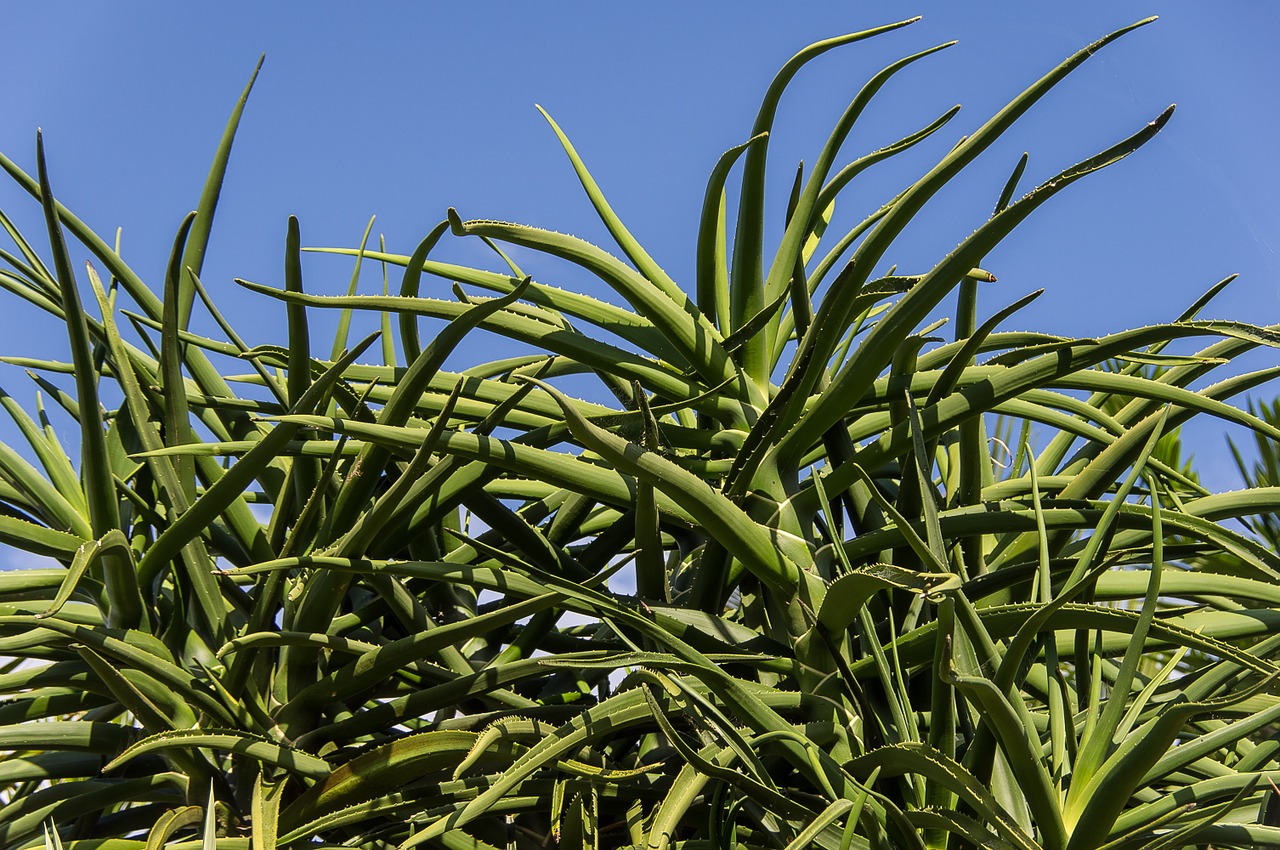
{"x": 650, "y": 615}
{"x": 720, "y": 517}
{"x": 359, "y": 487}
{"x": 33, "y": 268}
{"x": 746, "y": 288}
{"x": 1040, "y": 371}
{"x": 655, "y": 376}
{"x": 624, "y": 323}
{"x": 1234, "y": 345}
{"x": 204, "y": 373}
{"x": 834, "y": 313}
{"x": 38, "y": 496}
{"x": 176, "y": 414}
{"x": 807, "y": 206}
{"x": 826, "y": 202}
{"x": 874, "y": 352}
{"x": 633, "y": 250}
{"x": 684, "y": 328}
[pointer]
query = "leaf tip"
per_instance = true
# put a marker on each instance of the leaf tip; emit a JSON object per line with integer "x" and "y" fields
{"x": 41, "y": 167}
{"x": 262, "y": 57}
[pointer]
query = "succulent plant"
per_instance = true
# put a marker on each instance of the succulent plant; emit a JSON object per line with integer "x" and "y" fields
{"x": 769, "y": 583}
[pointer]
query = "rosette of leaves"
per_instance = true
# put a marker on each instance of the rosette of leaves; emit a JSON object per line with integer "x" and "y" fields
{"x": 765, "y": 588}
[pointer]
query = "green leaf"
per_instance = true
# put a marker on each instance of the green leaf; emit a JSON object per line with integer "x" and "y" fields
{"x": 917, "y": 759}
{"x": 171, "y": 822}
{"x": 261, "y": 749}
{"x": 86, "y": 556}
{"x": 344, "y": 319}
{"x": 100, "y": 490}
{"x": 177, "y": 415}
{"x": 712, "y": 267}
{"x": 847, "y": 595}
{"x": 856, "y": 375}
{"x": 266, "y": 812}
{"x": 198, "y": 241}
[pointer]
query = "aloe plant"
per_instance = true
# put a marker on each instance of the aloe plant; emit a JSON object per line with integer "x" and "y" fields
{"x": 766, "y": 587}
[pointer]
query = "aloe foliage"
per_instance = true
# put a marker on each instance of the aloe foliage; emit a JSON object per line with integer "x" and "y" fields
{"x": 770, "y": 584}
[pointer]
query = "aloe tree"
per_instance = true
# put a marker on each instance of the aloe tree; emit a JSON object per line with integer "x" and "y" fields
{"x": 766, "y": 587}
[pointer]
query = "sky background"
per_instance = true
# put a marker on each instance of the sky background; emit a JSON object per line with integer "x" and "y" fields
{"x": 403, "y": 109}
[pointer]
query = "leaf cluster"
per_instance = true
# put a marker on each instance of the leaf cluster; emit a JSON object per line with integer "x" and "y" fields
{"x": 777, "y": 589}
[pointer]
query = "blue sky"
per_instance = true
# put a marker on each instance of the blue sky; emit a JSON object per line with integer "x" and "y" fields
{"x": 401, "y": 109}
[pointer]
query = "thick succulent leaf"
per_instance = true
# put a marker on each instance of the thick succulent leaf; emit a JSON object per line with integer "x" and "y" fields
{"x": 198, "y": 242}
{"x": 807, "y": 204}
{"x": 384, "y": 605}
{"x": 847, "y": 594}
{"x": 36, "y": 495}
{"x": 712, "y": 266}
{"x": 53, "y": 459}
{"x": 267, "y": 752}
{"x": 100, "y": 489}
{"x": 171, "y": 822}
{"x": 358, "y": 488}
{"x": 140, "y": 651}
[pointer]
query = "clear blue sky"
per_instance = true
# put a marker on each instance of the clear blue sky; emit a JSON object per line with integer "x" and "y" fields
{"x": 402, "y": 109}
